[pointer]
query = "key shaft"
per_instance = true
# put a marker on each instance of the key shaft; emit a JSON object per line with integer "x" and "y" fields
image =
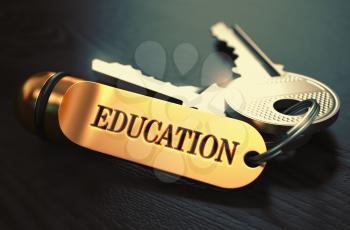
{"x": 258, "y": 53}
{"x": 251, "y": 62}
{"x": 133, "y": 76}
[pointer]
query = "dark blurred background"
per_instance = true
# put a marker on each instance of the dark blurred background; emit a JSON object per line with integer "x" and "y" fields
{"x": 45, "y": 185}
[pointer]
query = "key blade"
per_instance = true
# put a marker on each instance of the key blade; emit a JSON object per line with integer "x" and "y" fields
{"x": 213, "y": 100}
{"x": 255, "y": 48}
{"x": 251, "y": 61}
{"x": 190, "y": 88}
{"x": 133, "y": 76}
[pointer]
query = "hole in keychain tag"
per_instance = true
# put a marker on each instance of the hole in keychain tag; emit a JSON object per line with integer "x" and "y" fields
{"x": 159, "y": 134}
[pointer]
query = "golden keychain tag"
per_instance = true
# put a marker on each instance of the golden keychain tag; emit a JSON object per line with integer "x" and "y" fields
{"x": 156, "y": 133}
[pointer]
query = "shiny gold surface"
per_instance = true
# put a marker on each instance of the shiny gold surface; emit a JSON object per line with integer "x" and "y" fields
{"x": 77, "y": 113}
{"x": 27, "y": 98}
{"x": 52, "y": 129}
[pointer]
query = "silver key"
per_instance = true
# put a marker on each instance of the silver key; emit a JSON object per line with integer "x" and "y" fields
{"x": 246, "y": 96}
{"x": 265, "y": 89}
{"x": 187, "y": 94}
{"x": 206, "y": 101}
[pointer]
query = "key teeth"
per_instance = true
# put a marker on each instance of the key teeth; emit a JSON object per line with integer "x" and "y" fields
{"x": 235, "y": 71}
{"x": 129, "y": 68}
{"x": 279, "y": 67}
{"x": 222, "y": 32}
{"x": 219, "y": 36}
{"x": 127, "y": 73}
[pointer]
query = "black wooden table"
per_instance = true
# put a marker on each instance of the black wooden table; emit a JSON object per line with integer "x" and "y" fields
{"x": 50, "y": 186}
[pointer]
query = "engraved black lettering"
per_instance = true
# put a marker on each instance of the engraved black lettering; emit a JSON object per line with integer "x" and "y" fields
{"x": 132, "y": 123}
{"x": 229, "y": 153}
{"x": 147, "y": 131}
{"x": 118, "y": 114}
{"x": 204, "y": 143}
{"x": 194, "y": 142}
{"x": 102, "y": 116}
{"x": 183, "y": 134}
{"x": 207, "y": 146}
{"x": 168, "y": 136}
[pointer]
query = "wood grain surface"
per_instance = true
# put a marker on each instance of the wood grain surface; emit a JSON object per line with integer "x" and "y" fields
{"x": 50, "y": 186}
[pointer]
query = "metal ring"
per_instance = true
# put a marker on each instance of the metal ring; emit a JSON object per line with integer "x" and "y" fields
{"x": 292, "y": 134}
{"x": 42, "y": 100}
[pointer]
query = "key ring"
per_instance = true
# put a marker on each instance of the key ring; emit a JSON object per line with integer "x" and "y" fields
{"x": 293, "y": 133}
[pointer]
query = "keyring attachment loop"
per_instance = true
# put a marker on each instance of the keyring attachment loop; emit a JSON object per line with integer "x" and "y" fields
{"x": 312, "y": 107}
